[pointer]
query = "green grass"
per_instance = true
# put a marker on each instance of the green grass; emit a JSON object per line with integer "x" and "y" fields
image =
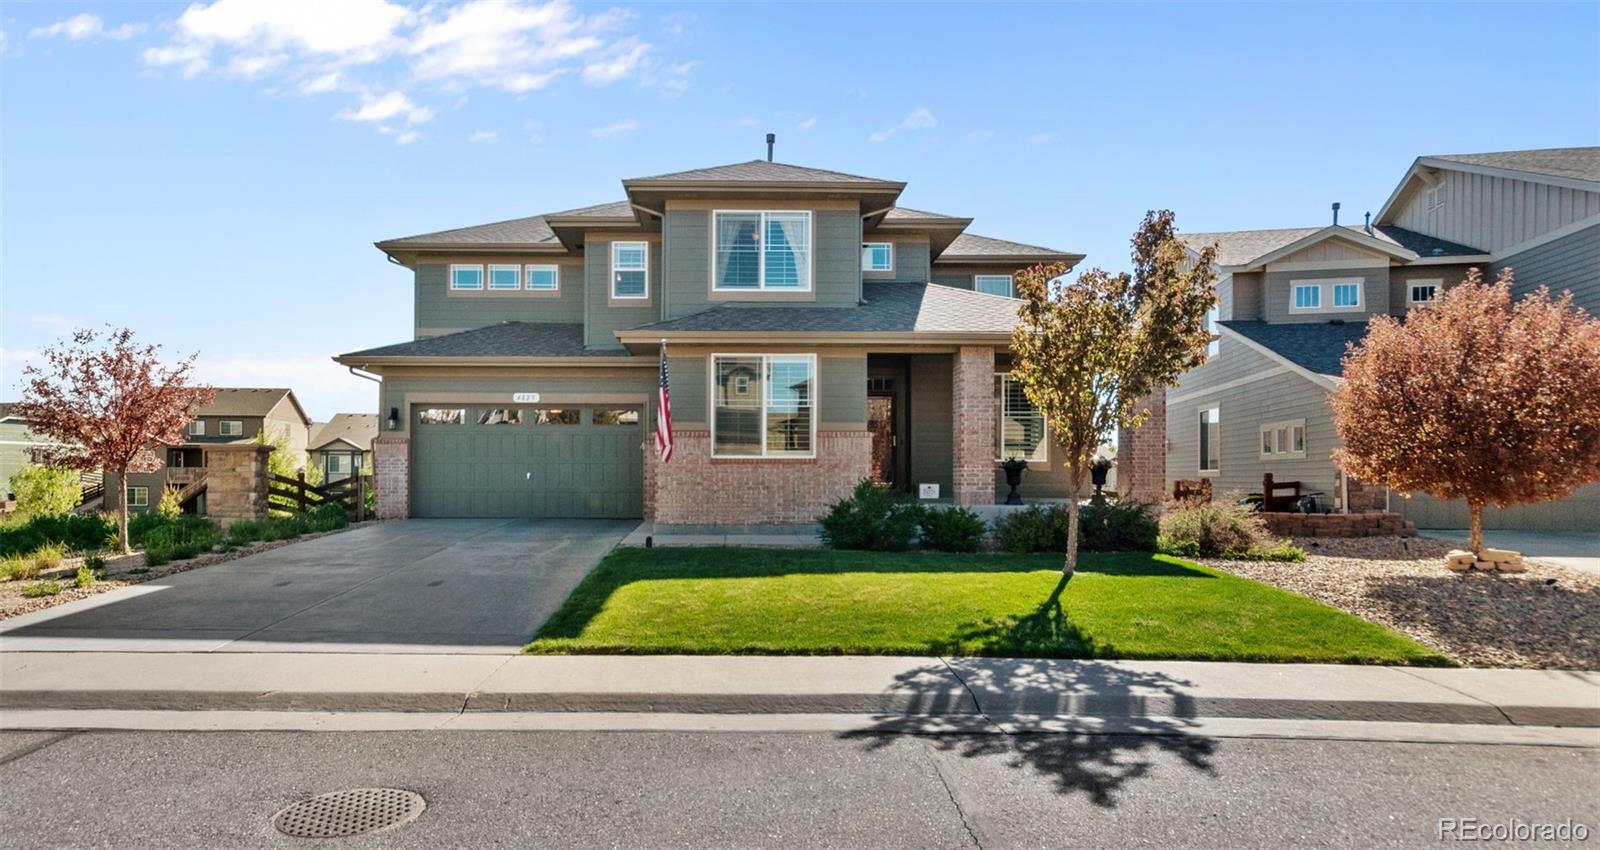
{"x": 817, "y": 602}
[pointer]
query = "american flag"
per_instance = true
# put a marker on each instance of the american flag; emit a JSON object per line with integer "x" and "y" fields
{"x": 664, "y": 413}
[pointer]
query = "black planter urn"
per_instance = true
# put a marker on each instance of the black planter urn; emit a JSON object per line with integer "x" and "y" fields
{"x": 1013, "y": 468}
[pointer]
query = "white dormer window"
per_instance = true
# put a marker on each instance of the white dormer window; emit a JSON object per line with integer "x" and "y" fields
{"x": 877, "y": 257}
{"x": 466, "y": 277}
{"x": 994, "y": 284}
{"x": 1340, "y": 295}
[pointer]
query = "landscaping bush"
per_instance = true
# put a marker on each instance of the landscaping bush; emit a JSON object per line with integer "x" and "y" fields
{"x": 1037, "y": 528}
{"x": 94, "y": 561}
{"x": 76, "y": 532}
{"x": 1115, "y": 527}
{"x": 48, "y": 556}
{"x": 1215, "y": 527}
{"x": 179, "y": 540}
{"x": 952, "y": 529}
{"x": 1177, "y": 548}
{"x": 43, "y": 588}
{"x": 157, "y": 551}
{"x": 16, "y": 567}
{"x": 1283, "y": 550}
{"x": 872, "y": 517}
{"x": 85, "y": 577}
{"x": 46, "y": 491}
{"x": 169, "y": 507}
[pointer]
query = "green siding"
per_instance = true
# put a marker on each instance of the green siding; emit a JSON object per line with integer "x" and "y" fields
{"x": 687, "y": 376}
{"x": 1569, "y": 263}
{"x": 601, "y": 319}
{"x": 911, "y": 262}
{"x": 932, "y": 454}
{"x": 836, "y": 258}
{"x": 436, "y": 308}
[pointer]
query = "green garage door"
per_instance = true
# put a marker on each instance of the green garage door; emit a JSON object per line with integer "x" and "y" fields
{"x": 472, "y": 461}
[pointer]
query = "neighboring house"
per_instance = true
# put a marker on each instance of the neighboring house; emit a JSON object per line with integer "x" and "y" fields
{"x": 235, "y": 415}
{"x": 342, "y": 446}
{"x": 816, "y": 334}
{"x": 17, "y": 444}
{"x": 1292, "y": 300}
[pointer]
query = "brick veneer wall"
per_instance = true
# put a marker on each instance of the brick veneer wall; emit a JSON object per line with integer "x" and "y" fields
{"x": 391, "y": 470}
{"x": 1142, "y": 454}
{"x": 1364, "y": 497}
{"x": 236, "y": 481}
{"x": 695, "y": 488}
{"x": 973, "y": 418}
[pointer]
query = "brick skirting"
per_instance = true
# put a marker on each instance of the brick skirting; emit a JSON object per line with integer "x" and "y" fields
{"x": 694, "y": 488}
{"x": 1377, "y": 524}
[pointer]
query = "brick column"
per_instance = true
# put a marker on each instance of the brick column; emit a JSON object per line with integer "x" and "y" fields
{"x": 236, "y": 481}
{"x": 973, "y": 425}
{"x": 1142, "y": 454}
{"x": 391, "y": 471}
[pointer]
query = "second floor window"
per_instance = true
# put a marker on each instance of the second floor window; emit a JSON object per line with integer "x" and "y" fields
{"x": 197, "y": 428}
{"x": 230, "y": 428}
{"x": 466, "y": 277}
{"x": 630, "y": 270}
{"x": 762, "y": 250}
{"x": 1347, "y": 295}
{"x": 994, "y": 284}
{"x": 877, "y": 257}
{"x": 1423, "y": 291}
{"x": 1308, "y": 297}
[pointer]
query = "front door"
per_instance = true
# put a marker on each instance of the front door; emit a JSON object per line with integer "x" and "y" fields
{"x": 880, "y": 422}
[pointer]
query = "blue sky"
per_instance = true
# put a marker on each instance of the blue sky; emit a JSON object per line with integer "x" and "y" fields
{"x": 213, "y": 175}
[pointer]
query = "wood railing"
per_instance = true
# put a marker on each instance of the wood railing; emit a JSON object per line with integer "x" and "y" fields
{"x": 294, "y": 494}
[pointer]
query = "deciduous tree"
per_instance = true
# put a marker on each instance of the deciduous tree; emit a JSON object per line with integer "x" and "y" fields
{"x": 1087, "y": 351}
{"x": 1478, "y": 396}
{"x": 107, "y": 402}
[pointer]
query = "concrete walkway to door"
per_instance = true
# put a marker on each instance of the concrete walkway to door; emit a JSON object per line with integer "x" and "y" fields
{"x": 414, "y": 586}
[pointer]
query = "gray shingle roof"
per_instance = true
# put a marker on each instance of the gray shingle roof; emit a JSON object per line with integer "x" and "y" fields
{"x": 891, "y": 307}
{"x": 507, "y": 339}
{"x": 908, "y": 214}
{"x": 517, "y": 231}
{"x": 973, "y": 245}
{"x": 1241, "y": 247}
{"x": 757, "y": 171}
{"x": 1573, "y": 163}
{"x": 615, "y": 209}
{"x": 1316, "y": 346}
{"x": 1423, "y": 244}
{"x": 357, "y": 429}
{"x": 243, "y": 401}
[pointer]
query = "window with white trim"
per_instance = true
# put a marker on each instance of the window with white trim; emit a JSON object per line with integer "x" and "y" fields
{"x": 1307, "y": 297}
{"x": 994, "y": 284}
{"x": 1283, "y": 440}
{"x": 1346, "y": 295}
{"x": 138, "y": 497}
{"x": 1334, "y": 295}
{"x": 337, "y": 463}
{"x": 466, "y": 277}
{"x": 763, "y": 405}
{"x": 1022, "y": 427}
{"x": 197, "y": 428}
{"x": 505, "y": 277}
{"x": 230, "y": 428}
{"x": 543, "y": 278}
{"x": 877, "y": 257}
{"x": 1423, "y": 291}
{"x": 757, "y": 250}
{"x": 1210, "y": 439}
{"x": 630, "y": 270}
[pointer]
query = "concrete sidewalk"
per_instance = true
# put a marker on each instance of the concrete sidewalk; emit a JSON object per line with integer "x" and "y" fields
{"x": 901, "y": 686}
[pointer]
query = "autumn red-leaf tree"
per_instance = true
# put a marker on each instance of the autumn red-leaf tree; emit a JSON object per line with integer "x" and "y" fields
{"x": 105, "y": 403}
{"x": 1478, "y": 396}
{"x": 1086, "y": 351}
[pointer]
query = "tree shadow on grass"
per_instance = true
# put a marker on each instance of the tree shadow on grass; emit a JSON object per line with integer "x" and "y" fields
{"x": 1091, "y": 727}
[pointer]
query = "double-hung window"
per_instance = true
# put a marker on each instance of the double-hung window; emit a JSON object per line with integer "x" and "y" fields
{"x": 756, "y": 251}
{"x": 1283, "y": 439}
{"x": 994, "y": 284}
{"x": 630, "y": 270}
{"x": 877, "y": 257}
{"x": 466, "y": 277}
{"x": 763, "y": 405}
{"x": 1210, "y": 439}
{"x": 197, "y": 428}
{"x": 1022, "y": 426}
{"x": 543, "y": 278}
{"x": 1423, "y": 291}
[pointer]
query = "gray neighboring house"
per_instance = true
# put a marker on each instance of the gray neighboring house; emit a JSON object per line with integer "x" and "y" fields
{"x": 17, "y": 442}
{"x": 342, "y": 446}
{"x": 1291, "y": 300}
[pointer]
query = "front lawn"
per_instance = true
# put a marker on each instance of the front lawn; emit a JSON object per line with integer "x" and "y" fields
{"x": 818, "y": 602}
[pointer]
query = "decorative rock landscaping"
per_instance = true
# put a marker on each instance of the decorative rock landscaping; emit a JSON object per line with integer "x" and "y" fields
{"x": 1503, "y": 560}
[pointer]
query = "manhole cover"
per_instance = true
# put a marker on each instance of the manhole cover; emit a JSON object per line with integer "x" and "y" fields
{"x": 353, "y": 812}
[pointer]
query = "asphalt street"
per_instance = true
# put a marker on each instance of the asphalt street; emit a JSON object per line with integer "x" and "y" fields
{"x": 537, "y": 789}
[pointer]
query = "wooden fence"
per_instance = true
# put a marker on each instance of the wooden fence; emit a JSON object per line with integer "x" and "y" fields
{"x": 294, "y": 494}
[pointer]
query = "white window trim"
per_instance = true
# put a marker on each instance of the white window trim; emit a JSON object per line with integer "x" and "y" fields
{"x": 1200, "y": 455}
{"x": 1324, "y": 287}
{"x": 711, "y": 403}
{"x": 1273, "y": 427}
{"x": 488, "y": 275}
{"x": 1436, "y": 282}
{"x": 238, "y": 428}
{"x": 141, "y": 500}
{"x": 199, "y": 431}
{"x": 1011, "y": 284}
{"x": 866, "y": 249}
{"x": 528, "y": 270}
{"x": 617, "y": 246}
{"x": 482, "y": 278}
{"x": 1000, "y": 416}
{"x": 761, "y": 252}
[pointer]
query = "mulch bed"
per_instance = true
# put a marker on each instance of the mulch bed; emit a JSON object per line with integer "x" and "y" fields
{"x": 1547, "y": 617}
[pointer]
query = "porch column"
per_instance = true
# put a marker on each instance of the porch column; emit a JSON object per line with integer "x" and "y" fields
{"x": 1142, "y": 454}
{"x": 973, "y": 425}
{"x": 391, "y": 470}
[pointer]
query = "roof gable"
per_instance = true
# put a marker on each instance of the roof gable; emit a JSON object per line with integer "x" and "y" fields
{"x": 1246, "y": 250}
{"x": 758, "y": 171}
{"x": 353, "y": 429}
{"x": 1573, "y": 168}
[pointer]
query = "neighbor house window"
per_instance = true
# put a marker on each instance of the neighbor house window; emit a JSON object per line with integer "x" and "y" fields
{"x": 557, "y": 416}
{"x": 197, "y": 428}
{"x": 1329, "y": 295}
{"x": 1347, "y": 295}
{"x": 763, "y": 405}
{"x": 505, "y": 277}
{"x": 1210, "y": 439}
{"x": 138, "y": 497}
{"x": 1307, "y": 297}
{"x": 230, "y": 428}
{"x": 338, "y": 464}
{"x": 1283, "y": 439}
{"x": 630, "y": 270}
{"x": 994, "y": 284}
{"x": 762, "y": 250}
{"x": 1022, "y": 427}
{"x": 466, "y": 277}
{"x": 544, "y": 278}
{"x": 1423, "y": 291}
{"x": 877, "y": 257}
{"x": 500, "y": 416}
{"x": 1213, "y": 345}
{"x": 441, "y": 416}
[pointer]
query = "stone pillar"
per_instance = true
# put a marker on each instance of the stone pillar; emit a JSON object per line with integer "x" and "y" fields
{"x": 973, "y": 425}
{"x": 391, "y": 471}
{"x": 236, "y": 481}
{"x": 1142, "y": 454}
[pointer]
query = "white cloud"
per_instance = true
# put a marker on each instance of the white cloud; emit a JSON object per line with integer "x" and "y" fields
{"x": 191, "y": 59}
{"x": 506, "y": 44}
{"x": 622, "y": 61}
{"x": 86, "y": 27}
{"x": 920, "y": 118}
{"x": 331, "y": 81}
{"x": 487, "y": 136}
{"x": 1043, "y": 138}
{"x": 393, "y": 105}
{"x": 980, "y": 135}
{"x": 535, "y": 131}
{"x": 351, "y": 29}
{"x": 255, "y": 66}
{"x": 670, "y": 80}
{"x": 807, "y": 124}
{"x": 615, "y": 130}
{"x": 407, "y": 137}
{"x": 56, "y": 322}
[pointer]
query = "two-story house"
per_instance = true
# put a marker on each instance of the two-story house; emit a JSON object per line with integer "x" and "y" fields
{"x": 342, "y": 446}
{"x": 816, "y": 334}
{"x": 1291, "y": 300}
{"x": 236, "y": 414}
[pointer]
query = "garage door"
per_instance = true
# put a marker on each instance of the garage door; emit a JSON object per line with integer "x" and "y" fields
{"x": 527, "y": 461}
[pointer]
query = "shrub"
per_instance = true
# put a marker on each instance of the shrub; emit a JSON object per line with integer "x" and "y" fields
{"x": 1116, "y": 527}
{"x": 43, "y": 588}
{"x": 180, "y": 540}
{"x": 48, "y": 556}
{"x": 94, "y": 561}
{"x": 85, "y": 577}
{"x": 157, "y": 551}
{"x": 1177, "y": 548}
{"x": 324, "y": 517}
{"x": 1283, "y": 550}
{"x": 17, "y": 567}
{"x": 169, "y": 507}
{"x": 1037, "y": 528}
{"x": 952, "y": 529}
{"x": 1215, "y": 527}
{"x": 46, "y": 491}
{"x": 873, "y": 518}
{"x": 76, "y": 532}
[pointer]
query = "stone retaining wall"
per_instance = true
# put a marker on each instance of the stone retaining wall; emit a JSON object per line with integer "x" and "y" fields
{"x": 1375, "y": 524}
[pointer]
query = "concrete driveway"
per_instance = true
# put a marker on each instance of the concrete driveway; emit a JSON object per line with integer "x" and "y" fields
{"x": 417, "y": 586}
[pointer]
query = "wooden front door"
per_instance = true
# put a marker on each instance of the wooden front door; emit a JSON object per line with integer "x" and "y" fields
{"x": 880, "y": 422}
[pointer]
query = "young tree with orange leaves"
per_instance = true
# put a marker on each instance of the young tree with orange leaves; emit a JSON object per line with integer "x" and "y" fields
{"x": 105, "y": 401}
{"x": 1477, "y": 397}
{"x": 1086, "y": 351}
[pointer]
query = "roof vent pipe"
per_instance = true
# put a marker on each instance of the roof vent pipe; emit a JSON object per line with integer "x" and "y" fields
{"x": 1369, "y": 222}
{"x": 771, "y": 137}
{"x": 1335, "y": 213}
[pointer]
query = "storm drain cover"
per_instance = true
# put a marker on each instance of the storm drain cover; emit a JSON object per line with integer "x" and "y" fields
{"x": 353, "y": 812}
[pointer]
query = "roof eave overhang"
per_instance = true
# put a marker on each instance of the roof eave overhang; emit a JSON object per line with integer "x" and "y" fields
{"x": 407, "y": 253}
{"x": 376, "y": 363}
{"x": 870, "y": 196}
{"x": 1007, "y": 259}
{"x": 1332, "y": 231}
{"x": 645, "y": 338}
{"x": 1452, "y": 260}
